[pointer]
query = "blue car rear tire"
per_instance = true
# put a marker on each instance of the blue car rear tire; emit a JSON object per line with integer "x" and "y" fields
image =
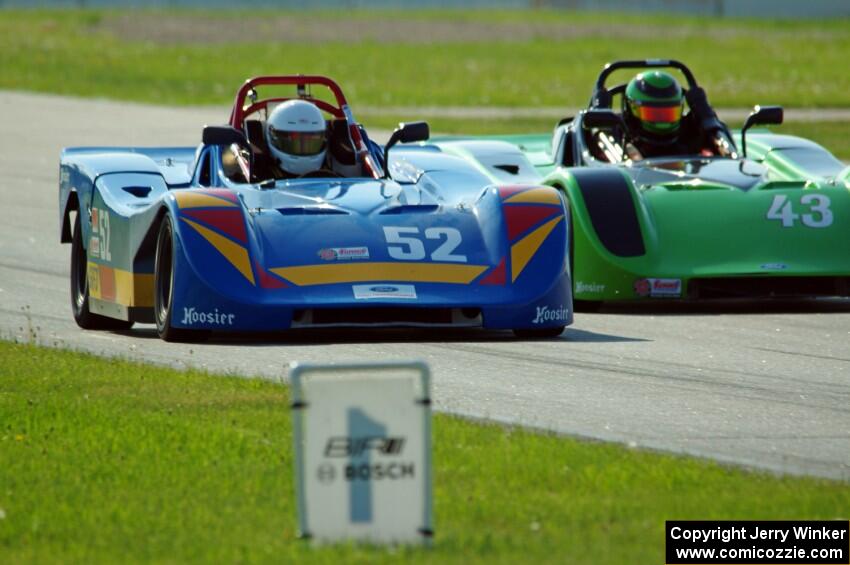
{"x": 80, "y": 289}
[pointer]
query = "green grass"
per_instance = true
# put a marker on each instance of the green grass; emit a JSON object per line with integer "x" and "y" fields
{"x": 107, "y": 461}
{"x": 740, "y": 62}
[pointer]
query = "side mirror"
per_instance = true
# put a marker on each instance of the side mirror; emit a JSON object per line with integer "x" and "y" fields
{"x": 223, "y": 135}
{"x": 602, "y": 119}
{"x": 406, "y": 133}
{"x": 761, "y": 115}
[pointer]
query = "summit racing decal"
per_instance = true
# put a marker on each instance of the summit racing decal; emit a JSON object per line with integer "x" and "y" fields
{"x": 343, "y": 253}
{"x": 666, "y": 288}
{"x": 546, "y": 314}
{"x": 214, "y": 318}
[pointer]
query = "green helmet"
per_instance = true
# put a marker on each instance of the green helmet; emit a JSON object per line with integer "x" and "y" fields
{"x": 652, "y": 105}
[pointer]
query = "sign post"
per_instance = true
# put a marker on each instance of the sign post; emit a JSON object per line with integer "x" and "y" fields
{"x": 363, "y": 451}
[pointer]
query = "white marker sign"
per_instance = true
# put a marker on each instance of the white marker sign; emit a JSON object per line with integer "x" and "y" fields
{"x": 363, "y": 451}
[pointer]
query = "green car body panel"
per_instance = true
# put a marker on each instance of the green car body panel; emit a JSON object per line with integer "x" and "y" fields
{"x": 762, "y": 217}
{"x": 782, "y": 212}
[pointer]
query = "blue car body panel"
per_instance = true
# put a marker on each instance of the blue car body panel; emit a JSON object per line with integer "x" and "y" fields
{"x": 436, "y": 245}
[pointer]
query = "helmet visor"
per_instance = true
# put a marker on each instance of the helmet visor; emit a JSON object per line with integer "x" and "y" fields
{"x": 300, "y": 143}
{"x": 658, "y": 114}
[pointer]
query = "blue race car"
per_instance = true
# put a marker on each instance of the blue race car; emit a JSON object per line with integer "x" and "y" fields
{"x": 215, "y": 238}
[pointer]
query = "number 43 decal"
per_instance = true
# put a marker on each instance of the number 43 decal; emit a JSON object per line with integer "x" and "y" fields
{"x": 818, "y": 214}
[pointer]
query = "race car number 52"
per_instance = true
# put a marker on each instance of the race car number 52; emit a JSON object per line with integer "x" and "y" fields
{"x": 818, "y": 214}
{"x": 405, "y": 244}
{"x": 100, "y": 227}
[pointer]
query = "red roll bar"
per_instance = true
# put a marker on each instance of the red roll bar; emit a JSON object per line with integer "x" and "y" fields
{"x": 341, "y": 110}
{"x": 237, "y": 115}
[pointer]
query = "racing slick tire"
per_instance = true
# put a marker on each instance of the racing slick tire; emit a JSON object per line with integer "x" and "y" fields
{"x": 80, "y": 289}
{"x": 163, "y": 288}
{"x": 540, "y": 333}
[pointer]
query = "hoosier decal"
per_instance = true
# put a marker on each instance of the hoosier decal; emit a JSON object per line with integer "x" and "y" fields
{"x": 546, "y": 314}
{"x": 214, "y": 318}
{"x": 589, "y": 287}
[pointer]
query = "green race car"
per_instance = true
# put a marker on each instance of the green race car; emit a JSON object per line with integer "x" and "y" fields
{"x": 667, "y": 202}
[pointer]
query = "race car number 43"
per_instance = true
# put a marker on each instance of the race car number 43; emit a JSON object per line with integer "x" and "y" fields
{"x": 818, "y": 213}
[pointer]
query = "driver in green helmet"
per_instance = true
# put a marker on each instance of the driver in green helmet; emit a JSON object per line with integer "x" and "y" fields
{"x": 653, "y": 103}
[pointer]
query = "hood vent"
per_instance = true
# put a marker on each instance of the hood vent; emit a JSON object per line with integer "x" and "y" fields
{"x": 312, "y": 211}
{"x": 412, "y": 209}
{"x": 510, "y": 169}
{"x": 138, "y": 191}
{"x": 785, "y": 184}
{"x": 695, "y": 185}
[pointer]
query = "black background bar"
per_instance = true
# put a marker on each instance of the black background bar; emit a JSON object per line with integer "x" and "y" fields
{"x": 744, "y": 544}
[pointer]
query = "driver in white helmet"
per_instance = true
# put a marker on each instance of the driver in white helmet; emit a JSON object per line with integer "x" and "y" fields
{"x": 297, "y": 138}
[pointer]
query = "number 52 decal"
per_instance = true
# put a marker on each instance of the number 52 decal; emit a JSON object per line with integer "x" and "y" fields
{"x": 101, "y": 232}
{"x": 818, "y": 214}
{"x": 405, "y": 244}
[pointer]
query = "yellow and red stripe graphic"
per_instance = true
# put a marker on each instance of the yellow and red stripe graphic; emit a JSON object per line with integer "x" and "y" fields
{"x": 537, "y": 195}
{"x": 531, "y": 214}
{"x": 309, "y": 275}
{"x": 236, "y": 254}
{"x": 497, "y": 275}
{"x": 229, "y": 221}
{"x": 523, "y": 250}
{"x": 208, "y": 198}
{"x": 120, "y": 286}
{"x": 216, "y": 216}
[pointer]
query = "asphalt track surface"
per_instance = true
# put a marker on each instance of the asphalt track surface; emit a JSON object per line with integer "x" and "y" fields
{"x": 758, "y": 384}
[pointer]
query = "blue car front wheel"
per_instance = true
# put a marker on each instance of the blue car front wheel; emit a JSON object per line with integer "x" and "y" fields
{"x": 164, "y": 288}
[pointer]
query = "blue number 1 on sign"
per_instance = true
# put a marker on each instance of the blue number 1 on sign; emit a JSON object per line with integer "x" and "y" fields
{"x": 362, "y": 431}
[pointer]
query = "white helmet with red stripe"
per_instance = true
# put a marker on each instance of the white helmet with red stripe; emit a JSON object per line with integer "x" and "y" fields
{"x": 297, "y": 137}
